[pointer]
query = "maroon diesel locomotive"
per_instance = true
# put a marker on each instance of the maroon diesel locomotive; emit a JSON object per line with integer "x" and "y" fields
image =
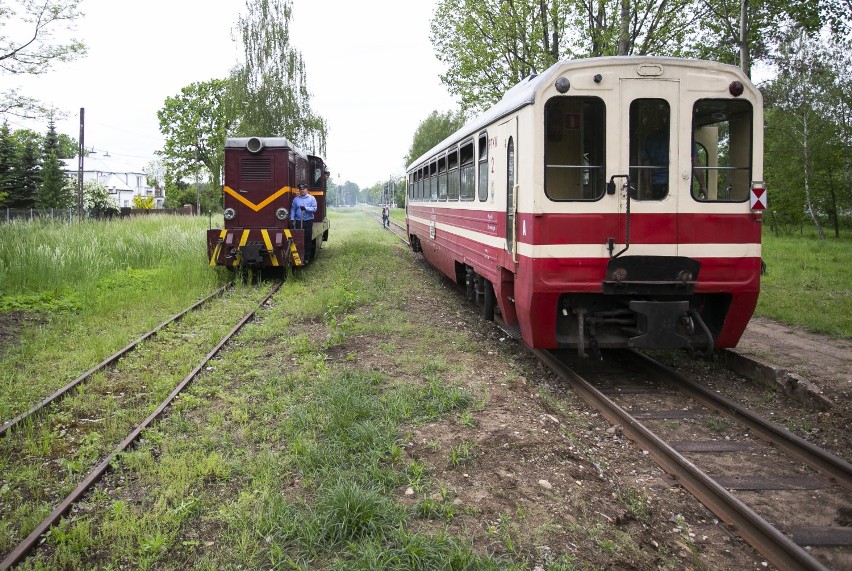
{"x": 262, "y": 177}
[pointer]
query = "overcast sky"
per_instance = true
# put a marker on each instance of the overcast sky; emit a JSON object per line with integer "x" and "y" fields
{"x": 370, "y": 68}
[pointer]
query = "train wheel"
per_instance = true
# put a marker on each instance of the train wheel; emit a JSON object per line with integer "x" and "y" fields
{"x": 488, "y": 300}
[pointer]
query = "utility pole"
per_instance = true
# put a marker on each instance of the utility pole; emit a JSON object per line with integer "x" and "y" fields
{"x": 80, "y": 150}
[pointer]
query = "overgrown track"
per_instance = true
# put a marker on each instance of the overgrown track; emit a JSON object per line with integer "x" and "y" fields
{"x": 27, "y": 545}
{"x": 109, "y": 361}
{"x": 746, "y": 470}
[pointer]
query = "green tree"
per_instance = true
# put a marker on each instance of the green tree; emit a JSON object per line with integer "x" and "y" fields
{"x": 27, "y": 174}
{"x": 270, "y": 89}
{"x": 177, "y": 193}
{"x": 53, "y": 192}
{"x": 432, "y": 130}
{"x": 195, "y": 125}
{"x": 8, "y": 165}
{"x": 490, "y": 45}
{"x": 741, "y": 32}
{"x": 804, "y": 142}
{"x": 30, "y": 48}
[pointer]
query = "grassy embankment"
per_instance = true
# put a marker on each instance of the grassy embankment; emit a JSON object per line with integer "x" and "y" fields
{"x": 808, "y": 283}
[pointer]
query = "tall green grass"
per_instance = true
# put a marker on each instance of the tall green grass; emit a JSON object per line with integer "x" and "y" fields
{"x": 86, "y": 289}
{"x": 808, "y": 283}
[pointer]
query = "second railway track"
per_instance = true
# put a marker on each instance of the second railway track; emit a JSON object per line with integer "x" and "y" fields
{"x": 62, "y": 452}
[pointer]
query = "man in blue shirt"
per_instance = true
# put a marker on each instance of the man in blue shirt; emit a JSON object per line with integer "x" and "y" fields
{"x": 302, "y": 212}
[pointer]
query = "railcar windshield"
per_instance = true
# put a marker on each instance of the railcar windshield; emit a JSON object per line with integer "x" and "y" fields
{"x": 649, "y": 147}
{"x": 721, "y": 150}
{"x": 574, "y": 148}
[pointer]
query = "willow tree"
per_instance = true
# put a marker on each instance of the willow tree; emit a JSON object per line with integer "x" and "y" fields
{"x": 270, "y": 88}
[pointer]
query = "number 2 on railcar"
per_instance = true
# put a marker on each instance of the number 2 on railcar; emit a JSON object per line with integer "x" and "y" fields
{"x": 262, "y": 175}
{"x": 604, "y": 203}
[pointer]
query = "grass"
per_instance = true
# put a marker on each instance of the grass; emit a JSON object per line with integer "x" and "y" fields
{"x": 283, "y": 456}
{"x": 808, "y": 283}
{"x": 289, "y": 451}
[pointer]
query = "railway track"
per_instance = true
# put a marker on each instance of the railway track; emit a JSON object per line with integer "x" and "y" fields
{"x": 786, "y": 497}
{"x": 60, "y": 447}
{"x": 60, "y": 393}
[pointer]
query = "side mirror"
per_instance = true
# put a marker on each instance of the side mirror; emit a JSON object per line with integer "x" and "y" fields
{"x": 610, "y": 187}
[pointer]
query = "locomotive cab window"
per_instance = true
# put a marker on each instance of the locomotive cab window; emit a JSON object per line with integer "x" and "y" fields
{"x": 649, "y": 148}
{"x": 574, "y": 148}
{"x": 721, "y": 150}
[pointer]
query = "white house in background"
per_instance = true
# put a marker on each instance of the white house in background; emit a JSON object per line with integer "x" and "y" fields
{"x": 122, "y": 180}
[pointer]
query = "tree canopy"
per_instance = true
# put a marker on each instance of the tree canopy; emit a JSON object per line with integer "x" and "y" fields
{"x": 195, "y": 124}
{"x": 432, "y": 130}
{"x": 30, "y": 47}
{"x": 270, "y": 90}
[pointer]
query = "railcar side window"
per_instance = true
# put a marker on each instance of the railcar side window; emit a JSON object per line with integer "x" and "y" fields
{"x": 510, "y": 195}
{"x": 433, "y": 181}
{"x": 442, "y": 178}
{"x": 649, "y": 148}
{"x": 574, "y": 148}
{"x": 453, "y": 183}
{"x": 483, "y": 166}
{"x": 721, "y": 150}
{"x": 466, "y": 189}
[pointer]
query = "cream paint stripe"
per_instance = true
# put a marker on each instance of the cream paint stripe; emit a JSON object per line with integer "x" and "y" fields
{"x": 252, "y": 205}
{"x": 265, "y": 233}
{"x": 600, "y": 250}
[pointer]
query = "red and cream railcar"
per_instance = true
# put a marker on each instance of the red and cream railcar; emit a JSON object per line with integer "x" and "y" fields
{"x": 262, "y": 175}
{"x": 605, "y": 203}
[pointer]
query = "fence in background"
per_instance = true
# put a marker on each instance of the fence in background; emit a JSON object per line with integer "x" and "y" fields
{"x": 70, "y": 214}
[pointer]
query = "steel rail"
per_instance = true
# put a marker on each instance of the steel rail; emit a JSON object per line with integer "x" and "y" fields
{"x": 56, "y": 395}
{"x": 778, "y": 549}
{"x": 26, "y": 546}
{"x": 817, "y": 458}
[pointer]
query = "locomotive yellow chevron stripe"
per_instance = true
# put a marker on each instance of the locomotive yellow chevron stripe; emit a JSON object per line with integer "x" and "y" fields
{"x": 218, "y": 248}
{"x": 252, "y": 205}
{"x": 243, "y": 240}
{"x": 293, "y": 249}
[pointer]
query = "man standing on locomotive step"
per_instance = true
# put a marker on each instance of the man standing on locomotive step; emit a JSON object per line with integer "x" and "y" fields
{"x": 302, "y": 211}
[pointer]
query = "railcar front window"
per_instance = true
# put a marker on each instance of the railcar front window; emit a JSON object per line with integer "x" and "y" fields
{"x": 649, "y": 148}
{"x": 574, "y": 148}
{"x": 721, "y": 150}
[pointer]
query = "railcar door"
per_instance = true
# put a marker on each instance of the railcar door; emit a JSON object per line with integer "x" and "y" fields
{"x": 650, "y": 130}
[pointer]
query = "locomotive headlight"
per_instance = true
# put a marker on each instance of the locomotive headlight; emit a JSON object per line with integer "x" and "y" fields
{"x": 281, "y": 214}
{"x": 230, "y": 214}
